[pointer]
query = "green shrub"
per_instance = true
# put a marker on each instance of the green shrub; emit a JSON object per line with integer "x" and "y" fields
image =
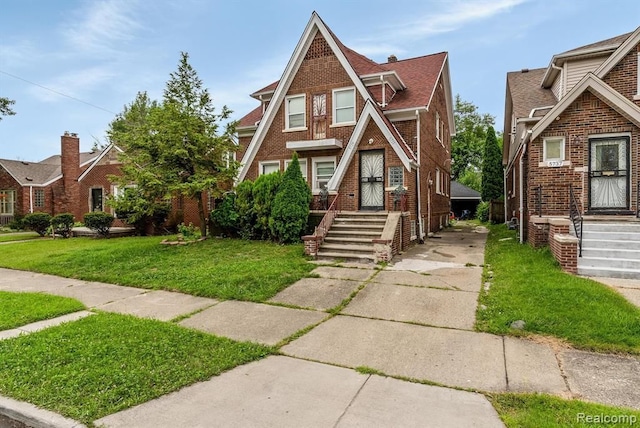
{"x": 17, "y": 223}
{"x": 38, "y": 222}
{"x": 62, "y": 224}
{"x": 98, "y": 221}
{"x": 225, "y": 216}
{"x": 138, "y": 212}
{"x": 244, "y": 208}
{"x": 290, "y": 211}
{"x": 265, "y": 189}
{"x": 482, "y": 212}
{"x": 189, "y": 232}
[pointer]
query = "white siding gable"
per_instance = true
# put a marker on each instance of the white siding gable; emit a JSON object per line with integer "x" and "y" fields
{"x": 576, "y": 70}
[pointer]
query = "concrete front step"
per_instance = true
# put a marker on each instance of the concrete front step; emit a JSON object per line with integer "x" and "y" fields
{"x": 371, "y": 234}
{"x": 346, "y": 240}
{"x": 612, "y": 227}
{"x": 611, "y": 236}
{"x": 609, "y": 244}
{"x": 608, "y": 263}
{"x": 358, "y": 226}
{"x": 346, "y": 255}
{"x": 609, "y": 272}
{"x": 366, "y": 220}
{"x": 633, "y": 254}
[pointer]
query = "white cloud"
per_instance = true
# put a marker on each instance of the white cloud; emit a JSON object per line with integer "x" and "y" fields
{"x": 102, "y": 25}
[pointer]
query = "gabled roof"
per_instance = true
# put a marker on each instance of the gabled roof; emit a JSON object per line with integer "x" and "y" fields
{"x": 97, "y": 160}
{"x": 417, "y": 76}
{"x": 370, "y": 112}
{"x": 526, "y": 92}
{"x": 460, "y": 191}
{"x": 44, "y": 172}
{"x": 603, "y": 91}
{"x": 314, "y": 26}
{"x": 630, "y": 42}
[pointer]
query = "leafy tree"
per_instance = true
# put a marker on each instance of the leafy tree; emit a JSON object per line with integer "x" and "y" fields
{"x": 472, "y": 179}
{"x": 225, "y": 215}
{"x": 244, "y": 208}
{"x": 176, "y": 147}
{"x": 468, "y": 143}
{"x": 5, "y": 107}
{"x": 492, "y": 174}
{"x": 290, "y": 210}
{"x": 138, "y": 211}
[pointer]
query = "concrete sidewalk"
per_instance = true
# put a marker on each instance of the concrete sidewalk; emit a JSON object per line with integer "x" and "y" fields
{"x": 414, "y": 319}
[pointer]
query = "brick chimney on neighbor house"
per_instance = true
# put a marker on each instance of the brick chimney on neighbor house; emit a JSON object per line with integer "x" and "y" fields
{"x": 70, "y": 166}
{"x": 392, "y": 58}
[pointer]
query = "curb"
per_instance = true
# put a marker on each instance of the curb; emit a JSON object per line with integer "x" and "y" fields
{"x": 34, "y": 417}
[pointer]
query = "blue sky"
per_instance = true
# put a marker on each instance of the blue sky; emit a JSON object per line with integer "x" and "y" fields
{"x": 104, "y": 51}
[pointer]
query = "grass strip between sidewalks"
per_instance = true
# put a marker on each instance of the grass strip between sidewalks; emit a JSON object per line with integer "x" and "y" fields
{"x": 18, "y": 236}
{"x": 105, "y": 363}
{"x": 18, "y": 309}
{"x": 529, "y": 285}
{"x": 219, "y": 268}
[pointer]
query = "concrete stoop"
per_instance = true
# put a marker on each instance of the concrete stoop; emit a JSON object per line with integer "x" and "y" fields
{"x": 351, "y": 235}
{"x": 610, "y": 248}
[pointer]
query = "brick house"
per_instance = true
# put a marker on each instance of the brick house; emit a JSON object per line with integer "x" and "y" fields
{"x": 573, "y": 156}
{"x": 361, "y": 129}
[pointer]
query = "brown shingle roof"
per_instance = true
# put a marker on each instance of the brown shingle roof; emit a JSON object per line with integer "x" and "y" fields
{"x": 39, "y": 173}
{"x": 527, "y": 93}
{"x": 613, "y": 42}
{"x": 252, "y": 118}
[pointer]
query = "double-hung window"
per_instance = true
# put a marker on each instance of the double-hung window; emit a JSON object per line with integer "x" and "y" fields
{"x": 344, "y": 106}
{"x": 323, "y": 169}
{"x": 7, "y": 201}
{"x": 295, "y": 112}
{"x": 268, "y": 167}
{"x": 303, "y": 167}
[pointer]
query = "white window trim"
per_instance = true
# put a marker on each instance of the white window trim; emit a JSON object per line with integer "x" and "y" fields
{"x": 334, "y": 107}
{"x": 265, "y": 163}
{"x": 545, "y": 158}
{"x": 286, "y": 112}
{"x": 637, "y": 95}
{"x": 438, "y": 137}
{"x": 392, "y": 186}
{"x": 315, "y": 161}
{"x": 303, "y": 166}
{"x": 438, "y": 181}
{"x": 11, "y": 206}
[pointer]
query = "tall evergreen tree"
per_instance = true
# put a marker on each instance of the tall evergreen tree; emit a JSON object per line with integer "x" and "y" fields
{"x": 492, "y": 174}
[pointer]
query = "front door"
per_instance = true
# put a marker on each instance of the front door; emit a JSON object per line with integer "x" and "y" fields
{"x": 609, "y": 174}
{"x": 372, "y": 180}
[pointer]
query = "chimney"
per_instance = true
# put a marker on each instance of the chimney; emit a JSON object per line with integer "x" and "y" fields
{"x": 70, "y": 166}
{"x": 392, "y": 58}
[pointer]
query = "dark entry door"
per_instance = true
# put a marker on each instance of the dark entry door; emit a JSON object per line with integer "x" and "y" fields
{"x": 96, "y": 199}
{"x": 609, "y": 174}
{"x": 372, "y": 180}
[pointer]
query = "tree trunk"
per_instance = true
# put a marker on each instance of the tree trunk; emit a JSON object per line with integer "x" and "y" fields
{"x": 203, "y": 223}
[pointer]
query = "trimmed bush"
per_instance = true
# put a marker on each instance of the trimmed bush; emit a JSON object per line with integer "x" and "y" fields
{"x": 265, "y": 189}
{"x": 244, "y": 208}
{"x": 17, "y": 223}
{"x": 38, "y": 222}
{"x": 62, "y": 224}
{"x": 98, "y": 221}
{"x": 225, "y": 216}
{"x": 290, "y": 210}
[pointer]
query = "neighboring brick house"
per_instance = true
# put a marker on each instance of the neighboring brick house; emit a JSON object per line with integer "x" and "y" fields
{"x": 573, "y": 128}
{"x": 360, "y": 128}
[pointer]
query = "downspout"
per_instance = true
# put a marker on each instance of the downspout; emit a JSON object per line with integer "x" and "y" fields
{"x": 30, "y": 199}
{"x": 419, "y": 201}
{"x": 521, "y": 165}
{"x": 384, "y": 92}
{"x": 504, "y": 192}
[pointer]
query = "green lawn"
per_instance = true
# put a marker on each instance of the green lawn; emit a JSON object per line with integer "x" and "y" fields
{"x": 543, "y": 411}
{"x": 219, "y": 268}
{"x": 107, "y": 362}
{"x": 18, "y": 236}
{"x": 18, "y": 309}
{"x": 529, "y": 285}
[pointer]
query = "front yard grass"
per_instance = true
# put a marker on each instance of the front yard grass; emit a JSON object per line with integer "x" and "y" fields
{"x": 18, "y": 309}
{"x": 218, "y": 268}
{"x": 544, "y": 411}
{"x": 18, "y": 236}
{"x": 105, "y": 363}
{"x": 529, "y": 285}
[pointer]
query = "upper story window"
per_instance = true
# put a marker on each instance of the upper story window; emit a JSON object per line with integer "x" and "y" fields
{"x": 438, "y": 136}
{"x": 319, "y": 111}
{"x": 344, "y": 106}
{"x": 294, "y": 112}
{"x": 268, "y": 167}
{"x": 553, "y": 149}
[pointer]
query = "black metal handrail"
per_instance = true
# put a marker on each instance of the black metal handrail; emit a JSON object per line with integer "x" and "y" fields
{"x": 638, "y": 200}
{"x": 576, "y": 217}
